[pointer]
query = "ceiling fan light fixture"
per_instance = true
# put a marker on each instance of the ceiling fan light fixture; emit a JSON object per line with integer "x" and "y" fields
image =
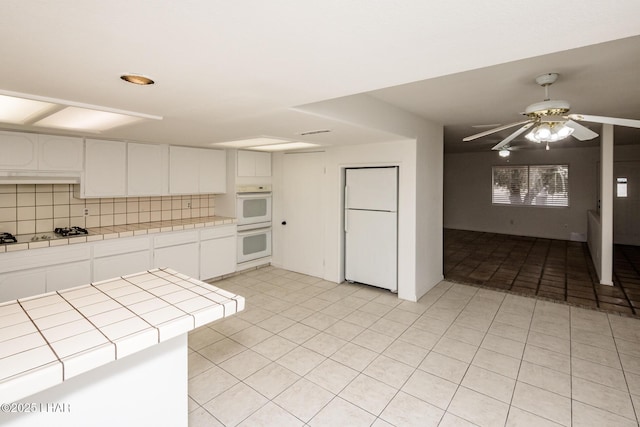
{"x": 564, "y": 131}
{"x": 504, "y": 153}
{"x": 542, "y": 132}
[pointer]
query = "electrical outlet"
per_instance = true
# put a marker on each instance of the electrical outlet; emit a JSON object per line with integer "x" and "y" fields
{"x": 188, "y": 205}
{"x": 86, "y": 211}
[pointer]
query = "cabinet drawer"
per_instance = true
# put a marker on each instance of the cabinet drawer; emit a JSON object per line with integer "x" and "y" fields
{"x": 33, "y": 258}
{"x": 121, "y": 246}
{"x": 217, "y": 232}
{"x": 176, "y": 238}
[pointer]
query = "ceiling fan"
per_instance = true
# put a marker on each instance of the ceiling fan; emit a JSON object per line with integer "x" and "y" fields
{"x": 549, "y": 121}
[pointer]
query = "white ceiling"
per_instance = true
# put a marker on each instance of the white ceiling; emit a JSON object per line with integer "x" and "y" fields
{"x": 237, "y": 69}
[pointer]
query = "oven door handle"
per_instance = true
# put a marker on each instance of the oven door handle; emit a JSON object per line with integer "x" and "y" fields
{"x": 251, "y": 231}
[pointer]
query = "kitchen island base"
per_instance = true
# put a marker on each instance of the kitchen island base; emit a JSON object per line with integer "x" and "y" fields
{"x": 148, "y": 388}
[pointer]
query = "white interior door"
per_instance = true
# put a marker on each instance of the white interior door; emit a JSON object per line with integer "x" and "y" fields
{"x": 303, "y": 235}
{"x": 626, "y": 203}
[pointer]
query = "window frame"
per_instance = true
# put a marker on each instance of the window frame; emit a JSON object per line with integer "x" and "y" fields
{"x": 528, "y": 181}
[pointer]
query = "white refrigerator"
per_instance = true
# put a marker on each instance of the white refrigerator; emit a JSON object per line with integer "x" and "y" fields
{"x": 371, "y": 226}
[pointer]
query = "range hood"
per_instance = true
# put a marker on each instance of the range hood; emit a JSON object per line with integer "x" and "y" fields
{"x": 39, "y": 177}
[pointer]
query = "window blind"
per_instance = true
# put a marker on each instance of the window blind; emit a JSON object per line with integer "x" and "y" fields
{"x": 533, "y": 185}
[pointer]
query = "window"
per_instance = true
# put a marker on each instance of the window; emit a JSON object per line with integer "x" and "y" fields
{"x": 621, "y": 187}
{"x": 544, "y": 185}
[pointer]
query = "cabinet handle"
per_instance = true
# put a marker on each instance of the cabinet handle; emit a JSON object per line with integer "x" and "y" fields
{"x": 284, "y": 222}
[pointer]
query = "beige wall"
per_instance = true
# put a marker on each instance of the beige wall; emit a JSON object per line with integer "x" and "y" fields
{"x": 467, "y": 194}
{"x": 39, "y": 208}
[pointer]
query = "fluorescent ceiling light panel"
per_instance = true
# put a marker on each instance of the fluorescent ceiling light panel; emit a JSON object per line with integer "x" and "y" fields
{"x": 285, "y": 146}
{"x": 85, "y": 119}
{"x": 253, "y": 142}
{"x": 19, "y": 110}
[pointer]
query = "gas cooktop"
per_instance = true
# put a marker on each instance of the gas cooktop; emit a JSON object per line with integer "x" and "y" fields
{"x": 71, "y": 231}
{"x": 7, "y": 238}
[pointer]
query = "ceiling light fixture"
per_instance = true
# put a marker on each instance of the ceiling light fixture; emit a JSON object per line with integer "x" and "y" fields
{"x": 549, "y": 132}
{"x": 504, "y": 153}
{"x": 285, "y": 146}
{"x": 35, "y": 110}
{"x": 137, "y": 79}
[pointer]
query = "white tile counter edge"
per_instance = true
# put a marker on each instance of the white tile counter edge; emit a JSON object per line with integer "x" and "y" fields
{"x": 51, "y": 358}
{"x": 125, "y": 230}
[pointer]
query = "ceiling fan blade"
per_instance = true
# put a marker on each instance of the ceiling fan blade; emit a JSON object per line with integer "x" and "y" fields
{"x": 580, "y": 132}
{"x": 606, "y": 120}
{"x": 511, "y": 137}
{"x": 494, "y": 130}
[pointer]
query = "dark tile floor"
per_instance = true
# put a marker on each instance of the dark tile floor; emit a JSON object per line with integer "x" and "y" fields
{"x": 553, "y": 269}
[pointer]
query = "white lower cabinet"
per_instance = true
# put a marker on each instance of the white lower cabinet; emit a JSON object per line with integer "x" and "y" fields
{"x": 200, "y": 253}
{"x": 68, "y": 275}
{"x": 119, "y": 257}
{"x": 181, "y": 258}
{"x": 178, "y": 251}
{"x": 218, "y": 252}
{"x": 120, "y": 265}
{"x": 22, "y": 284}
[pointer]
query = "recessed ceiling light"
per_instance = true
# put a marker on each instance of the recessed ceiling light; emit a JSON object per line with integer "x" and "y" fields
{"x": 85, "y": 119}
{"x": 285, "y": 146}
{"x": 252, "y": 142}
{"x": 20, "y": 110}
{"x": 137, "y": 79}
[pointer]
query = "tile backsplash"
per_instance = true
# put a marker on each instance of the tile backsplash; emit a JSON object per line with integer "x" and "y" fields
{"x": 39, "y": 208}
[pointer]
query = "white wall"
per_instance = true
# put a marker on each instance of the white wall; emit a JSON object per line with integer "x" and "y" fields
{"x": 467, "y": 194}
{"x": 418, "y": 153}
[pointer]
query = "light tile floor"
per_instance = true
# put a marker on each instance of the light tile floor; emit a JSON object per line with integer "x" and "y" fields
{"x": 310, "y": 352}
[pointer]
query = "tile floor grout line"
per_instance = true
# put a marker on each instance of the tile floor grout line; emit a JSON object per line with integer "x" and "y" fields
{"x": 624, "y": 373}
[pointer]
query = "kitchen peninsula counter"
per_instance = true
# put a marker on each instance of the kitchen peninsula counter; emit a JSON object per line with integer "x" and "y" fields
{"x": 70, "y": 344}
{"x": 114, "y": 232}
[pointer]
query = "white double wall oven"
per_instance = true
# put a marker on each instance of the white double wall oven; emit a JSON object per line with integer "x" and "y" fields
{"x": 253, "y": 211}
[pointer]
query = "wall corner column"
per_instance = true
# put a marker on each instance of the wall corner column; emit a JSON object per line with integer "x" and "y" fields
{"x": 606, "y": 204}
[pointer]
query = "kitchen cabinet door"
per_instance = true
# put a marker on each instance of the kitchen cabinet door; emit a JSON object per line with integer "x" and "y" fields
{"x": 105, "y": 173}
{"x": 119, "y": 265}
{"x": 68, "y": 275}
{"x": 22, "y": 284}
{"x": 184, "y": 170}
{"x": 147, "y": 169}
{"x": 181, "y": 258}
{"x": 18, "y": 151}
{"x": 254, "y": 163}
{"x": 218, "y": 251}
{"x": 213, "y": 171}
{"x": 197, "y": 170}
{"x": 60, "y": 153}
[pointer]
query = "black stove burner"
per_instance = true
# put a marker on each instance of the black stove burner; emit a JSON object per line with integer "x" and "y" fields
{"x": 7, "y": 238}
{"x": 73, "y": 231}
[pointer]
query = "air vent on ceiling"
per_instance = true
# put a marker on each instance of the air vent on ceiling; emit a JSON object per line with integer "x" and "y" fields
{"x": 314, "y": 132}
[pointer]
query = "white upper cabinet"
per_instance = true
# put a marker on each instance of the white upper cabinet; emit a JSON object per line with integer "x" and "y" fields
{"x": 59, "y": 153}
{"x": 29, "y": 151}
{"x": 196, "y": 170}
{"x": 184, "y": 174}
{"x": 105, "y": 173}
{"x": 18, "y": 151}
{"x": 254, "y": 163}
{"x": 147, "y": 169}
{"x": 213, "y": 171}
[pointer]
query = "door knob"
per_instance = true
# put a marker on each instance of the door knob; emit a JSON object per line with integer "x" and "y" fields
{"x": 284, "y": 223}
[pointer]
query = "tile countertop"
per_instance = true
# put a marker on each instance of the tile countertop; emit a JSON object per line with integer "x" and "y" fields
{"x": 116, "y": 231}
{"x": 49, "y": 338}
